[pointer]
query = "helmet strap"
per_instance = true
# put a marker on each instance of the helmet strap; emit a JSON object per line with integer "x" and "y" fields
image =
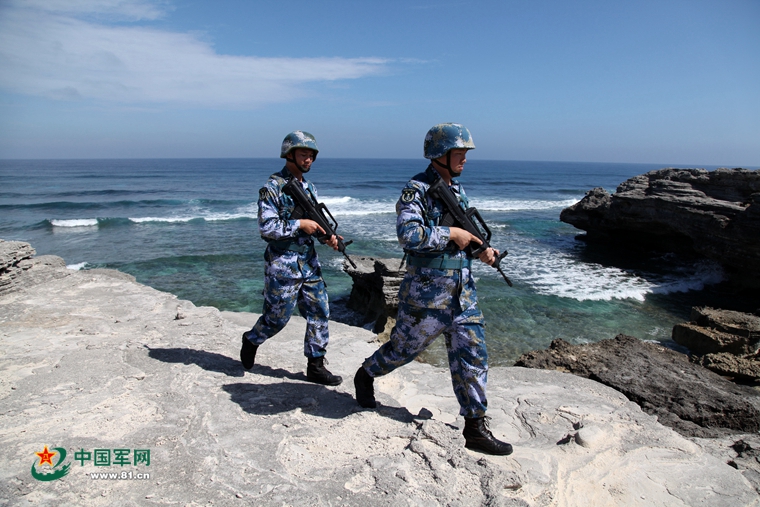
{"x": 293, "y": 161}
{"x": 447, "y": 165}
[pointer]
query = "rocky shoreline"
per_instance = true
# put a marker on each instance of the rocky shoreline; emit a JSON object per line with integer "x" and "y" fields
{"x": 713, "y": 214}
{"x": 93, "y": 360}
{"x": 713, "y": 390}
{"x": 695, "y": 394}
{"x": 723, "y": 341}
{"x": 683, "y": 395}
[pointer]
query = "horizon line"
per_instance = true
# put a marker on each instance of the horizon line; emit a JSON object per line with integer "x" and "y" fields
{"x": 663, "y": 165}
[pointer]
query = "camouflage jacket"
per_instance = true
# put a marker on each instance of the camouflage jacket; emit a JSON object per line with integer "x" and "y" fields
{"x": 275, "y": 208}
{"x": 418, "y": 216}
{"x": 276, "y": 227}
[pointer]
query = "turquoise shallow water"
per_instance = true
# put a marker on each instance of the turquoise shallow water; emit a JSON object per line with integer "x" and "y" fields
{"x": 189, "y": 227}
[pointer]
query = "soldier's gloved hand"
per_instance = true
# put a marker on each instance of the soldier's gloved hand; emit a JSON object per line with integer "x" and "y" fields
{"x": 462, "y": 238}
{"x": 488, "y": 255}
{"x": 310, "y": 227}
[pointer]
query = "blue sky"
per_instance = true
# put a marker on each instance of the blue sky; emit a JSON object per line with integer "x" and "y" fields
{"x": 667, "y": 81}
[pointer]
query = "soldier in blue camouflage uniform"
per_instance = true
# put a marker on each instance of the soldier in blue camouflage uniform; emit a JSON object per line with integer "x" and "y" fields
{"x": 437, "y": 295}
{"x": 292, "y": 271}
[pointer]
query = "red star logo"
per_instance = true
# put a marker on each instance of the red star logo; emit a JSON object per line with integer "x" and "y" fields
{"x": 46, "y": 457}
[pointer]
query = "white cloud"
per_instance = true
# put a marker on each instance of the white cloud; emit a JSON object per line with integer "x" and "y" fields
{"x": 131, "y": 10}
{"x": 46, "y": 50}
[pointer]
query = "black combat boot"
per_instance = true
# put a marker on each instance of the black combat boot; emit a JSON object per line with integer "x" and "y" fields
{"x": 248, "y": 353}
{"x": 365, "y": 391}
{"x": 317, "y": 373}
{"x": 478, "y": 437}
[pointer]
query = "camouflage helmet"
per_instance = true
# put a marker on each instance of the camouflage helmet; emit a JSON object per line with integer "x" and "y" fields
{"x": 298, "y": 139}
{"x": 447, "y": 136}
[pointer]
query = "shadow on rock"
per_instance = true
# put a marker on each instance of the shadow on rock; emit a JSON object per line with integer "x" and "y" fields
{"x": 210, "y": 361}
{"x": 268, "y": 371}
{"x": 314, "y": 399}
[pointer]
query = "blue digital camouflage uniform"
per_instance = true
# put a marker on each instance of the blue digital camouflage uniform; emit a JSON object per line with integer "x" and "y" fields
{"x": 292, "y": 272}
{"x": 434, "y": 301}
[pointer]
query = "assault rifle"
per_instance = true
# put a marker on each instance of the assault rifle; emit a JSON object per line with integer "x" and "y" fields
{"x": 455, "y": 216}
{"x": 305, "y": 208}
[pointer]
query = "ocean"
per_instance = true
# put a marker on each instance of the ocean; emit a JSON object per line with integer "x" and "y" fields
{"x": 188, "y": 226}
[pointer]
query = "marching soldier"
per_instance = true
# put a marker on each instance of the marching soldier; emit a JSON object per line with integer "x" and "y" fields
{"x": 437, "y": 295}
{"x": 293, "y": 275}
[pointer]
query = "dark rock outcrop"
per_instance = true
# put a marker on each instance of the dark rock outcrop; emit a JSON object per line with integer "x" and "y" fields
{"x": 374, "y": 293}
{"x": 740, "y": 368}
{"x": 713, "y": 331}
{"x": 723, "y": 341}
{"x": 687, "y": 397}
{"x": 715, "y": 214}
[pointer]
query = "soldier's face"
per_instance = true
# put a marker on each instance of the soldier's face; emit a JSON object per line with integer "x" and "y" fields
{"x": 303, "y": 157}
{"x": 458, "y": 158}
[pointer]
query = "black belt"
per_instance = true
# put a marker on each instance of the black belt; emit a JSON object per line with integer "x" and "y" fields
{"x": 286, "y": 244}
{"x": 439, "y": 262}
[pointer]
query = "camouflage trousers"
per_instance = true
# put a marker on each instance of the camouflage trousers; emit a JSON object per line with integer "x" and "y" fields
{"x": 280, "y": 299}
{"x": 415, "y": 330}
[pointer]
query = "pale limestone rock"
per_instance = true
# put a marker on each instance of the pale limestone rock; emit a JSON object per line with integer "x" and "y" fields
{"x": 97, "y": 361}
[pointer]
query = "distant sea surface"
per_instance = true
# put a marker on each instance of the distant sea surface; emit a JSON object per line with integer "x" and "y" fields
{"x": 188, "y": 226}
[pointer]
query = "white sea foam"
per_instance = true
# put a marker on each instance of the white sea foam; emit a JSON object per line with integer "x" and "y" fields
{"x": 333, "y": 201}
{"x": 335, "y": 263}
{"x": 519, "y": 205}
{"x": 82, "y": 222}
{"x": 209, "y": 217}
{"x": 340, "y": 206}
{"x": 351, "y": 206}
{"x": 76, "y": 267}
{"x": 217, "y": 217}
{"x": 702, "y": 273}
{"x": 559, "y": 274}
{"x": 142, "y": 220}
{"x": 347, "y": 206}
